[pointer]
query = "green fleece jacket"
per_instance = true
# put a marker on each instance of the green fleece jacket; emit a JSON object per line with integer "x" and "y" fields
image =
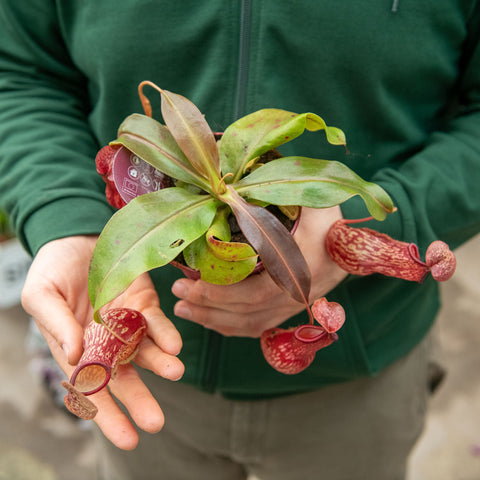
{"x": 402, "y": 79}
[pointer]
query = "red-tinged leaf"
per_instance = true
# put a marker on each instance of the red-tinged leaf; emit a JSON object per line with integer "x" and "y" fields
{"x": 78, "y": 403}
{"x": 218, "y": 239}
{"x": 192, "y": 133}
{"x": 441, "y": 261}
{"x": 330, "y": 315}
{"x": 154, "y": 143}
{"x": 104, "y": 162}
{"x": 230, "y": 251}
{"x": 292, "y": 350}
{"x": 220, "y": 261}
{"x": 278, "y": 251}
{"x": 284, "y": 352}
{"x": 363, "y": 251}
{"x": 199, "y": 256}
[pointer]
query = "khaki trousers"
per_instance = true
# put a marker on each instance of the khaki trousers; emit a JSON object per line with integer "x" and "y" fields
{"x": 360, "y": 430}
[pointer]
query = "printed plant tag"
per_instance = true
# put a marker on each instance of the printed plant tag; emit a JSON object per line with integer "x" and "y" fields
{"x": 133, "y": 176}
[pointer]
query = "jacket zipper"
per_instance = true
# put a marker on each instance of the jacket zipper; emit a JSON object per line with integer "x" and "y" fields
{"x": 243, "y": 58}
{"x": 214, "y": 339}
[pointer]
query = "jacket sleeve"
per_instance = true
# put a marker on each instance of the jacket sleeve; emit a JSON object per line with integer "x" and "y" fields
{"x": 48, "y": 183}
{"x": 437, "y": 190}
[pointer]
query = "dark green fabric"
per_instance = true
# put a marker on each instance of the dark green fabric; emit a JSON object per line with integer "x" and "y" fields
{"x": 402, "y": 84}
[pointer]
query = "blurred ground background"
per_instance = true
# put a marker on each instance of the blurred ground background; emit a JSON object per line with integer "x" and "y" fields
{"x": 39, "y": 441}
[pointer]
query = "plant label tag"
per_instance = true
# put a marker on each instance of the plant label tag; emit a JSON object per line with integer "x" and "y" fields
{"x": 133, "y": 176}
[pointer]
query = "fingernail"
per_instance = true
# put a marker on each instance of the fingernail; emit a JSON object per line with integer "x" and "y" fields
{"x": 179, "y": 289}
{"x": 183, "y": 312}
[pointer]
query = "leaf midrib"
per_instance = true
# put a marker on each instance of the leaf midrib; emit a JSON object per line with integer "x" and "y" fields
{"x": 148, "y": 233}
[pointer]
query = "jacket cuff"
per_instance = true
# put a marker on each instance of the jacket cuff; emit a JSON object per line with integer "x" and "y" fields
{"x": 399, "y": 225}
{"x": 62, "y": 218}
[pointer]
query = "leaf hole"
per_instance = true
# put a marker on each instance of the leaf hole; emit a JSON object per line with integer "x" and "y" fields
{"x": 177, "y": 243}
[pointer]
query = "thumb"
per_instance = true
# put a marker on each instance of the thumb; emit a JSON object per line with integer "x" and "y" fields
{"x": 57, "y": 324}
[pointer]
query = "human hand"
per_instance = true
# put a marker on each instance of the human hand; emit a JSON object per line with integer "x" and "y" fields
{"x": 256, "y": 304}
{"x": 56, "y": 295}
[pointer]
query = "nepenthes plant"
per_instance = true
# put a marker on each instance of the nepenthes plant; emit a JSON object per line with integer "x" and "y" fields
{"x": 204, "y": 182}
{"x": 224, "y": 205}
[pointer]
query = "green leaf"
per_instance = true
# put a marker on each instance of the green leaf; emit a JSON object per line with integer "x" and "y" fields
{"x": 147, "y": 233}
{"x": 218, "y": 241}
{"x": 152, "y": 142}
{"x": 230, "y": 251}
{"x": 192, "y": 133}
{"x": 278, "y": 251}
{"x": 257, "y": 133}
{"x": 220, "y": 227}
{"x": 311, "y": 182}
{"x": 199, "y": 256}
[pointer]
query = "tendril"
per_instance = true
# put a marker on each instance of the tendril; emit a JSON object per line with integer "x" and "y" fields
{"x": 146, "y": 105}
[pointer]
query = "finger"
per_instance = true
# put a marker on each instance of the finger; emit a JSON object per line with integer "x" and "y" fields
{"x": 163, "y": 332}
{"x": 162, "y": 364}
{"x": 205, "y": 315}
{"x": 255, "y": 290}
{"x": 142, "y": 296}
{"x": 137, "y": 399}
{"x": 111, "y": 420}
{"x": 54, "y": 317}
{"x": 57, "y": 352}
{"x": 213, "y": 319}
{"x": 114, "y": 424}
{"x": 226, "y": 322}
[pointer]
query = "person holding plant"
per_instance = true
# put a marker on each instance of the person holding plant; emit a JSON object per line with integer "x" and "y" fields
{"x": 409, "y": 104}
